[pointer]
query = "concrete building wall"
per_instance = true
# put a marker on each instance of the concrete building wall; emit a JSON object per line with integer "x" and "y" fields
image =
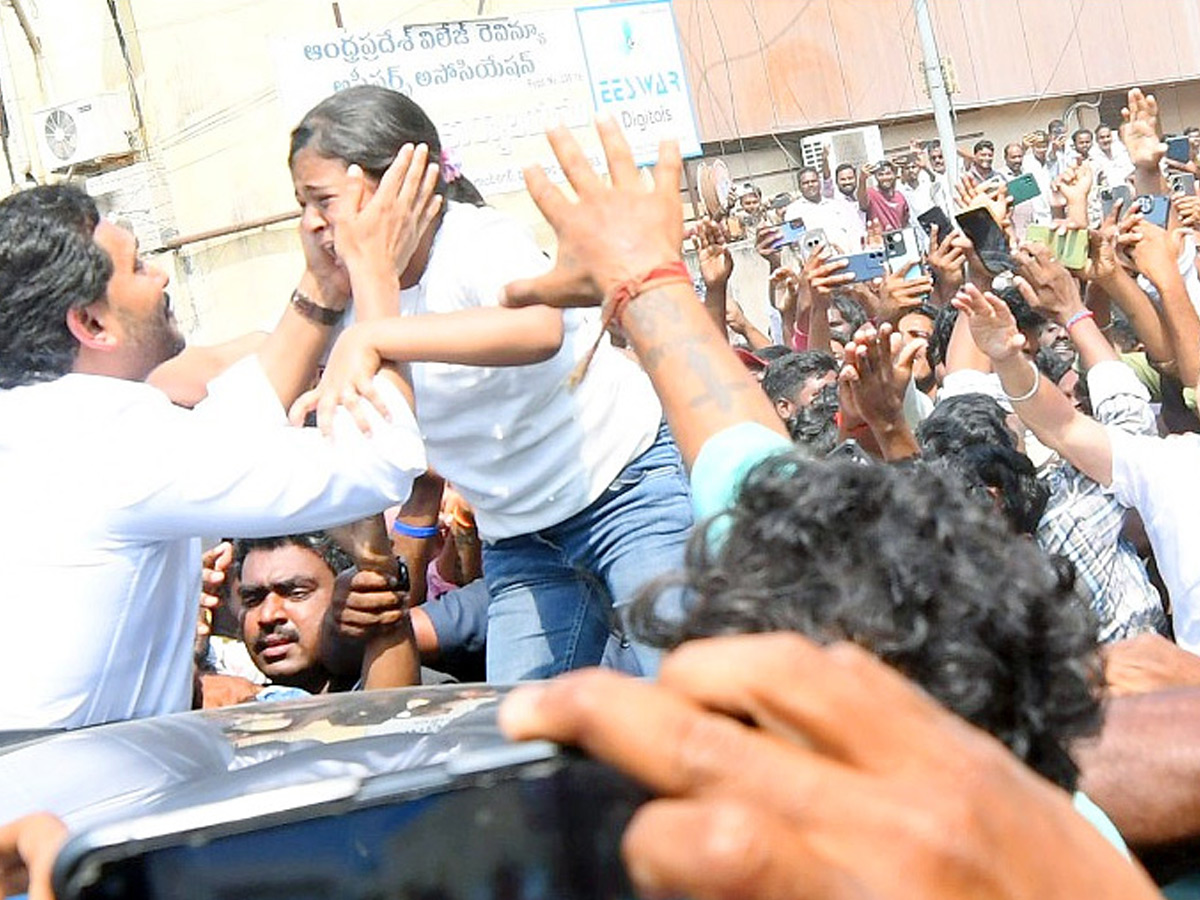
{"x": 213, "y": 133}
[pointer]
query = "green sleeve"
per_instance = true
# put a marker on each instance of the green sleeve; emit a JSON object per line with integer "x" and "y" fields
{"x": 723, "y": 462}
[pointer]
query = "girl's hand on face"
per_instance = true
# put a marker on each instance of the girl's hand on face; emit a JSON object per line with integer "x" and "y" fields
{"x": 348, "y": 380}
{"x": 330, "y": 275}
{"x": 377, "y": 228}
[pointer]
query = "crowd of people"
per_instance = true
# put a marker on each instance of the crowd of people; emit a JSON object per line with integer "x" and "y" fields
{"x": 917, "y": 560}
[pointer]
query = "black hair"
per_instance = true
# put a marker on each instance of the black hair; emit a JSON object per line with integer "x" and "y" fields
{"x": 772, "y": 352}
{"x": 962, "y": 420}
{"x": 939, "y": 338}
{"x": 983, "y": 144}
{"x": 1053, "y": 366}
{"x": 853, "y": 313}
{"x": 1019, "y": 495}
{"x": 841, "y": 166}
{"x": 49, "y": 265}
{"x": 1078, "y": 131}
{"x": 903, "y": 563}
{"x": 1028, "y": 318}
{"x": 368, "y": 125}
{"x": 318, "y": 542}
{"x": 788, "y": 372}
{"x": 812, "y": 169}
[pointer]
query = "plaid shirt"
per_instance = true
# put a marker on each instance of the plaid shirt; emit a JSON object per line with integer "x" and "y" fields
{"x": 1083, "y": 523}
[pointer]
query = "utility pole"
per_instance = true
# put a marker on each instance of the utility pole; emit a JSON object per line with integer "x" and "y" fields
{"x": 934, "y": 78}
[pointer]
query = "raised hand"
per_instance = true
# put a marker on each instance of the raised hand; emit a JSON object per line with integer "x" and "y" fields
{"x": 825, "y": 274}
{"x": 946, "y": 259}
{"x": 1139, "y": 130}
{"x": 786, "y": 285}
{"x": 735, "y": 318}
{"x": 897, "y": 294}
{"x": 348, "y": 381}
{"x": 614, "y": 232}
{"x": 716, "y": 262}
{"x": 876, "y": 371}
{"x": 992, "y": 324}
{"x": 1052, "y": 289}
{"x": 214, "y": 590}
{"x": 379, "y": 229}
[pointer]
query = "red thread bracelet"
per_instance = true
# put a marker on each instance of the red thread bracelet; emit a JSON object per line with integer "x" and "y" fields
{"x": 624, "y": 293}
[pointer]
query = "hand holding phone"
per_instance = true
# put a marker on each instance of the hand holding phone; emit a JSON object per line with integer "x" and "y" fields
{"x": 865, "y": 266}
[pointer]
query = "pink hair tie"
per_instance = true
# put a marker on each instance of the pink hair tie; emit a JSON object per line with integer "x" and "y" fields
{"x": 450, "y": 169}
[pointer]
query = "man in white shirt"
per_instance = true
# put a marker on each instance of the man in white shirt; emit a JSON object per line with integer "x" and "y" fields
{"x": 106, "y": 484}
{"x": 839, "y": 222}
{"x": 1110, "y": 159}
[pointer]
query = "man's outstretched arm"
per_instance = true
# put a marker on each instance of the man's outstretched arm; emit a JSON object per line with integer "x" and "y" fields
{"x": 623, "y": 239}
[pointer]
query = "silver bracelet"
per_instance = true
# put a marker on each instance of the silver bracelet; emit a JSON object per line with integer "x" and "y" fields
{"x": 1028, "y": 395}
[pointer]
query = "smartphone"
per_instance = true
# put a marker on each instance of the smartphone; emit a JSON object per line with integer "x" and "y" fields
{"x": 991, "y": 243}
{"x": 1184, "y": 182}
{"x": 1154, "y": 208}
{"x": 935, "y": 215}
{"x": 865, "y": 266}
{"x": 791, "y": 232}
{"x": 1069, "y": 248}
{"x": 903, "y": 251}
{"x": 1179, "y": 149}
{"x": 1110, "y": 195}
{"x": 851, "y": 451}
{"x": 1023, "y": 187}
{"x": 810, "y": 241}
{"x": 541, "y": 822}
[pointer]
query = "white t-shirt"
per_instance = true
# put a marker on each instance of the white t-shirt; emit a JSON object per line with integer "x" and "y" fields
{"x": 522, "y": 447}
{"x": 106, "y": 487}
{"x": 1157, "y": 476}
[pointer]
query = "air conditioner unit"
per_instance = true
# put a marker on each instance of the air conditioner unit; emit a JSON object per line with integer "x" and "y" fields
{"x": 848, "y": 145}
{"x": 83, "y": 130}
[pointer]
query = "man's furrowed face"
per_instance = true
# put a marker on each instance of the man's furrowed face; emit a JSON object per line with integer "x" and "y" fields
{"x": 284, "y": 596}
{"x": 810, "y": 186}
{"x": 137, "y": 297}
{"x": 1013, "y": 155}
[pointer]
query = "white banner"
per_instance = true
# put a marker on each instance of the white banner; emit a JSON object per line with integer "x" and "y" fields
{"x": 636, "y": 73}
{"x": 493, "y": 86}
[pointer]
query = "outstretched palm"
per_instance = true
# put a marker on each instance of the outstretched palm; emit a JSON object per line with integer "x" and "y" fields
{"x": 992, "y": 324}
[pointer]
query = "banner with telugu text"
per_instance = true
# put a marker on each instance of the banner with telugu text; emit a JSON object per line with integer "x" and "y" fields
{"x": 493, "y": 86}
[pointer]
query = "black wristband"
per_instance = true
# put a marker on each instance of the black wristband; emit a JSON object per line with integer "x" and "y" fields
{"x": 314, "y": 312}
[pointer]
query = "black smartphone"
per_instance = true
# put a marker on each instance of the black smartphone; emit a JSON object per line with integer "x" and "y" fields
{"x": 1110, "y": 195}
{"x": 1179, "y": 149}
{"x": 991, "y": 243}
{"x": 935, "y": 215}
{"x": 531, "y": 820}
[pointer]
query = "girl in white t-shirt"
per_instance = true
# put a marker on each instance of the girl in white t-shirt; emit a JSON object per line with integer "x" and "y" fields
{"x": 579, "y": 492}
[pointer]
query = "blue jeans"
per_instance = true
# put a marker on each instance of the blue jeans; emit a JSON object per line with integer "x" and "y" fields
{"x": 560, "y": 596}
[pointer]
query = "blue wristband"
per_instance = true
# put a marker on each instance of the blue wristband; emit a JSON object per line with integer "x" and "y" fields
{"x": 415, "y": 531}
